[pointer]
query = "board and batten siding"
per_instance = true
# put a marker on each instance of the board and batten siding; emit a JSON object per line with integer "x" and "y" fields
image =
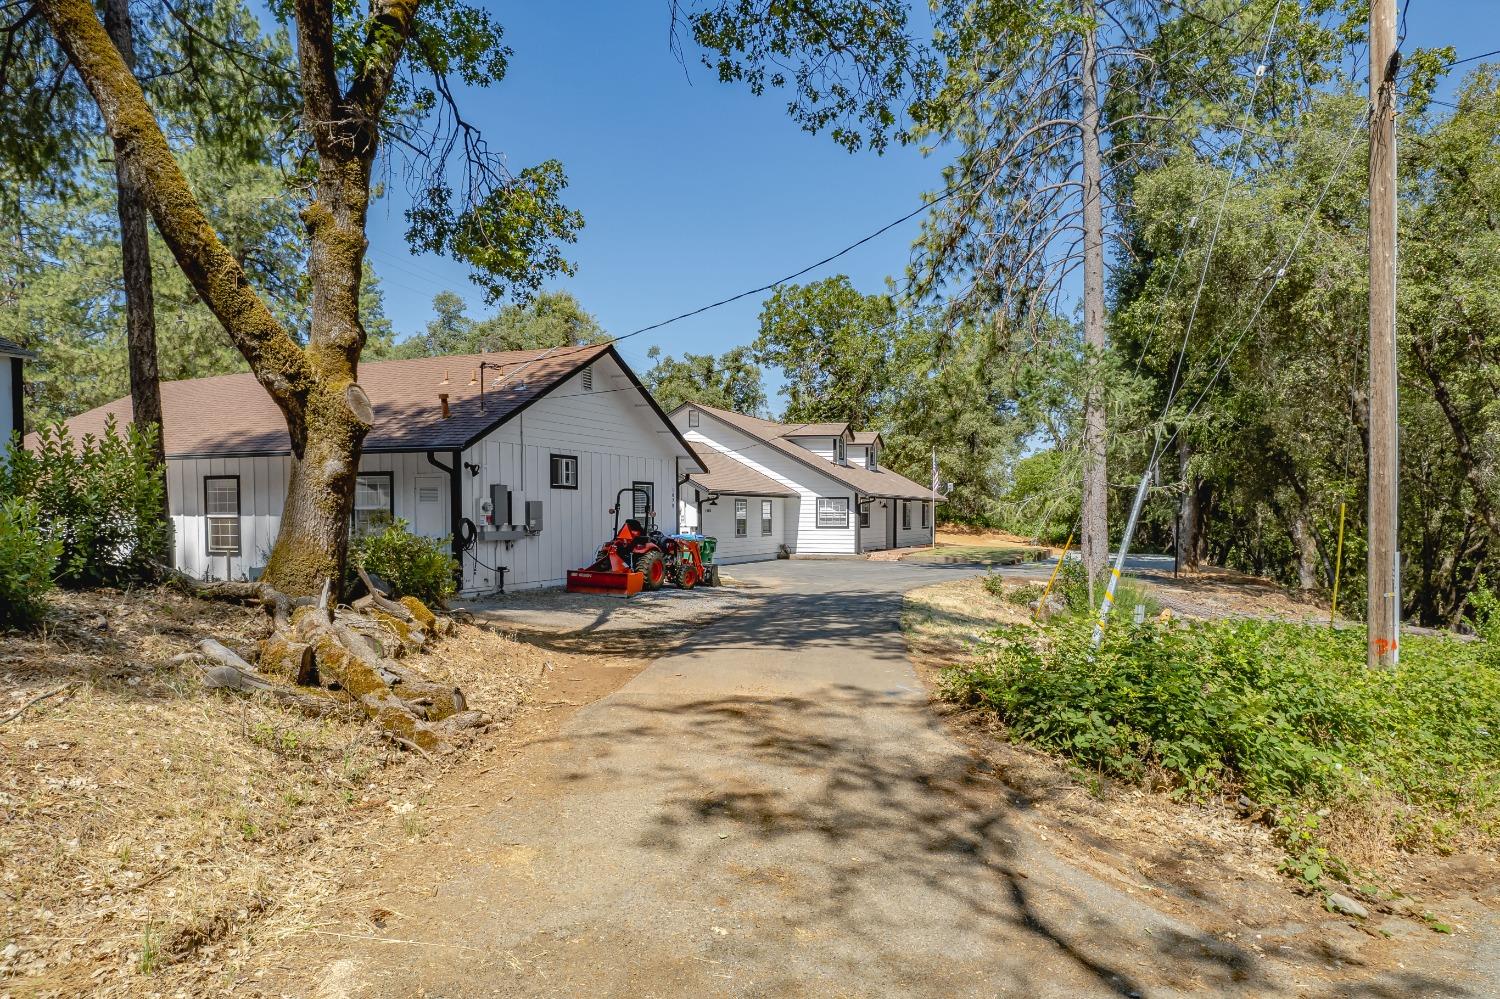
{"x": 617, "y": 439}
{"x": 263, "y": 482}
{"x": 800, "y": 532}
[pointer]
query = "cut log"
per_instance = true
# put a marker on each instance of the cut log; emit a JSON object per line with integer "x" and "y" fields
{"x": 221, "y": 653}
{"x": 368, "y": 687}
{"x": 289, "y": 660}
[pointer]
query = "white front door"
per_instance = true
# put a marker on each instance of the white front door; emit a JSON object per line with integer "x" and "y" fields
{"x": 432, "y": 506}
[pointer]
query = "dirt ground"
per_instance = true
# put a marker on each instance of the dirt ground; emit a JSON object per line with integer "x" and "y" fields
{"x": 1201, "y": 861}
{"x": 154, "y": 834}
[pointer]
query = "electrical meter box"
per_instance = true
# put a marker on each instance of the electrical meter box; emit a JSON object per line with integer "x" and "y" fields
{"x": 533, "y": 516}
{"x": 500, "y": 499}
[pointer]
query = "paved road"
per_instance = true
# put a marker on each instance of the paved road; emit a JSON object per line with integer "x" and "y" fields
{"x": 773, "y": 811}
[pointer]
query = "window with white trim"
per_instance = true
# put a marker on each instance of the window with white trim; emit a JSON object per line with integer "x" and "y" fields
{"x": 741, "y": 518}
{"x": 833, "y": 511}
{"x": 642, "y": 500}
{"x": 864, "y": 515}
{"x": 906, "y": 515}
{"x": 374, "y": 502}
{"x": 221, "y": 509}
{"x": 924, "y": 514}
{"x": 870, "y": 458}
{"x": 840, "y": 455}
{"x": 765, "y": 516}
{"x": 564, "y": 471}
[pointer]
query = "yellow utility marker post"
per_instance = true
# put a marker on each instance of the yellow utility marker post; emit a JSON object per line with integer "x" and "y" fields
{"x": 1338, "y": 564}
{"x": 1053, "y": 578}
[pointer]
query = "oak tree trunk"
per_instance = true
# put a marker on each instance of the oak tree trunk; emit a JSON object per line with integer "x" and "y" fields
{"x": 327, "y": 413}
{"x": 135, "y": 256}
{"x": 1095, "y": 526}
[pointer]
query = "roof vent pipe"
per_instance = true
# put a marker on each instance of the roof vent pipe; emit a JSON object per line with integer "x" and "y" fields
{"x": 443, "y": 398}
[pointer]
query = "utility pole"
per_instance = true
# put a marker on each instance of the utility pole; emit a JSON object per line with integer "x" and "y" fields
{"x": 1094, "y": 533}
{"x": 1384, "y": 572}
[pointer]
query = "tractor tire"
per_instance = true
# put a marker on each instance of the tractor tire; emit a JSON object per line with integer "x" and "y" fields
{"x": 711, "y": 575}
{"x": 650, "y": 566}
{"x": 687, "y": 577}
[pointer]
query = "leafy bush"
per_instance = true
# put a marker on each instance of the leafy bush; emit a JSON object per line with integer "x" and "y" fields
{"x": 1020, "y": 594}
{"x": 412, "y": 565}
{"x": 28, "y": 561}
{"x": 101, "y": 498}
{"x": 1289, "y": 714}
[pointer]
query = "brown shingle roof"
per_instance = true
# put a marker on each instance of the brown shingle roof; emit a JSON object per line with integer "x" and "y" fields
{"x": 866, "y": 436}
{"x": 233, "y": 415}
{"x": 9, "y": 348}
{"x": 727, "y": 476}
{"x": 816, "y": 429}
{"x": 880, "y": 483}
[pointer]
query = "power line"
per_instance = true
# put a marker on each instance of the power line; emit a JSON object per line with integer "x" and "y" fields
{"x": 810, "y": 267}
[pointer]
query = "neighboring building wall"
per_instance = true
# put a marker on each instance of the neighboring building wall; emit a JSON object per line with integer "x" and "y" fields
{"x": 801, "y": 533}
{"x": 263, "y": 484}
{"x": 718, "y": 520}
{"x": 8, "y": 394}
{"x": 617, "y": 440}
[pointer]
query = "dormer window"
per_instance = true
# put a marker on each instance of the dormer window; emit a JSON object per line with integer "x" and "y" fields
{"x": 870, "y": 457}
{"x": 840, "y": 456}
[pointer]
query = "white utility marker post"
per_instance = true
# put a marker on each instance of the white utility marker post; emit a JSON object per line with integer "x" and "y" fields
{"x": 1108, "y": 602}
{"x": 1384, "y": 570}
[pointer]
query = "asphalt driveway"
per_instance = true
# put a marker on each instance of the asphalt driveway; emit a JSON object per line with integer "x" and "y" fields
{"x": 773, "y": 811}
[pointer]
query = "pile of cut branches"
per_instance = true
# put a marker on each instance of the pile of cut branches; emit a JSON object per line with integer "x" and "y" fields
{"x": 328, "y": 659}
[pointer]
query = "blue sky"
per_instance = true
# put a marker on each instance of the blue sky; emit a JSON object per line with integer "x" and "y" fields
{"x": 693, "y": 190}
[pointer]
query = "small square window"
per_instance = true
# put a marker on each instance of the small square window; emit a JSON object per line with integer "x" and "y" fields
{"x": 693, "y": 418}
{"x": 565, "y": 471}
{"x": 741, "y": 518}
{"x": 766, "y": 524}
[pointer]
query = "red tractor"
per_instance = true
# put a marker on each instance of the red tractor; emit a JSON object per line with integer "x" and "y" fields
{"x": 639, "y": 557}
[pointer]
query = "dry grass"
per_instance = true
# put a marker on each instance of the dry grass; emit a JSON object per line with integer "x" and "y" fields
{"x": 151, "y": 831}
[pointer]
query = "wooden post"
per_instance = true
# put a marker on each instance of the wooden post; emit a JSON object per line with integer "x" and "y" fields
{"x": 1384, "y": 572}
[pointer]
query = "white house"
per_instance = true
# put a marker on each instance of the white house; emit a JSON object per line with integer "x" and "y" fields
{"x": 12, "y": 357}
{"x": 817, "y": 489}
{"x": 516, "y": 456}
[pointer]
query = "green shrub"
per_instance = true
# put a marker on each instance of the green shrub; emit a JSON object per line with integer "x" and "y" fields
{"x": 412, "y": 565}
{"x": 101, "y": 498}
{"x": 1290, "y": 714}
{"x": 28, "y": 562}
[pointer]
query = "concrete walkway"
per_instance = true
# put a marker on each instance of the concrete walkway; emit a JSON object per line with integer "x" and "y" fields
{"x": 773, "y": 811}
